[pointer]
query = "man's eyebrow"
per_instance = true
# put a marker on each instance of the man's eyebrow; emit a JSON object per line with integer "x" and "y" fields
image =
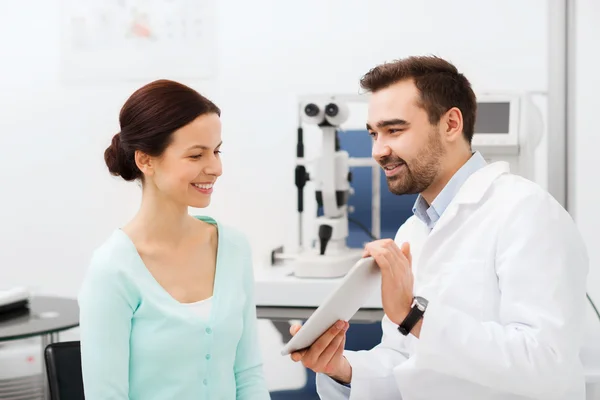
{"x": 389, "y": 122}
{"x": 203, "y": 147}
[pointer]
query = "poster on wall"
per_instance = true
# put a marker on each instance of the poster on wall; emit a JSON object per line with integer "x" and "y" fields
{"x": 137, "y": 40}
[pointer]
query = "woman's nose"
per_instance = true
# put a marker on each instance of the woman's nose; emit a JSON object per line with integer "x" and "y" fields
{"x": 215, "y": 167}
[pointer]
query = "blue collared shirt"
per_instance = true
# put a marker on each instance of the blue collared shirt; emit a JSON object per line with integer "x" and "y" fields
{"x": 430, "y": 214}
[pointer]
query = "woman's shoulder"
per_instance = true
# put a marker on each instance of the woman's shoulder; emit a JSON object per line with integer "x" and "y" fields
{"x": 115, "y": 254}
{"x": 230, "y": 237}
{"x": 111, "y": 271}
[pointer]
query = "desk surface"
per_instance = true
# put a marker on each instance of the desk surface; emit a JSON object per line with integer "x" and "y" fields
{"x": 46, "y": 315}
{"x": 278, "y": 287}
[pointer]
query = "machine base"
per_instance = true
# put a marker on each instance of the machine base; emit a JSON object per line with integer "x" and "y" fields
{"x": 313, "y": 265}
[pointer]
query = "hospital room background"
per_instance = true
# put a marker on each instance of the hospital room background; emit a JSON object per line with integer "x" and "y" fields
{"x": 255, "y": 59}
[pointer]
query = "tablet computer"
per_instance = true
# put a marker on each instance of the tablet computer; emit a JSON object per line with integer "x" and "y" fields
{"x": 352, "y": 292}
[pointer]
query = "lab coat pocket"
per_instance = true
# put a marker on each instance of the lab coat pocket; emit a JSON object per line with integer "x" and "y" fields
{"x": 461, "y": 284}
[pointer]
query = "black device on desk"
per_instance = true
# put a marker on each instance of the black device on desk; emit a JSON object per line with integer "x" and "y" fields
{"x": 13, "y": 302}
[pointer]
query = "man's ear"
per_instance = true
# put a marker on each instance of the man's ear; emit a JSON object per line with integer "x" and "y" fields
{"x": 451, "y": 125}
{"x": 144, "y": 162}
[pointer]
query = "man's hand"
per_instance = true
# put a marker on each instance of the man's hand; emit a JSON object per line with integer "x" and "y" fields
{"x": 326, "y": 353}
{"x": 396, "y": 277}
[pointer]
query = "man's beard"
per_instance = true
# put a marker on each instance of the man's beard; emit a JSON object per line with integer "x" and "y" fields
{"x": 417, "y": 176}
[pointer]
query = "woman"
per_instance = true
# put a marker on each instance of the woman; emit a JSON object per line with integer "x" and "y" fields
{"x": 167, "y": 306}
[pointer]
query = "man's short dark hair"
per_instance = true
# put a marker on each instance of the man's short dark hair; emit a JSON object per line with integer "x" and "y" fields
{"x": 439, "y": 83}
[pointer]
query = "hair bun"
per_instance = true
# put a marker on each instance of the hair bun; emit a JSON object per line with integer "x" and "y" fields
{"x": 119, "y": 162}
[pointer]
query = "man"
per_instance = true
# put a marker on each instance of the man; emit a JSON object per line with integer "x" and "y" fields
{"x": 484, "y": 287}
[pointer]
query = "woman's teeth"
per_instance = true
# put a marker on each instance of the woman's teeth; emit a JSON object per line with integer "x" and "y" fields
{"x": 203, "y": 186}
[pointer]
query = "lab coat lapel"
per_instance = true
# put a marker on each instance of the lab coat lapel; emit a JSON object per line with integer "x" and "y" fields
{"x": 471, "y": 192}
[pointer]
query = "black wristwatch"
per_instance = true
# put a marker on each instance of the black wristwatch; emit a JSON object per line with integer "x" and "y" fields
{"x": 417, "y": 309}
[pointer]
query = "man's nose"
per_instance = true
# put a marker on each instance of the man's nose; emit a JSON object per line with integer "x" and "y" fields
{"x": 380, "y": 150}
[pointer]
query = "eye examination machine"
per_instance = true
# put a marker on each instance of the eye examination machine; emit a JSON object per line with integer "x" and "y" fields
{"x": 328, "y": 255}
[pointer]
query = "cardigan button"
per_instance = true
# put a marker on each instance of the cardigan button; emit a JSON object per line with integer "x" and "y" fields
{"x": 208, "y": 330}
{"x": 205, "y": 382}
{"x": 208, "y": 356}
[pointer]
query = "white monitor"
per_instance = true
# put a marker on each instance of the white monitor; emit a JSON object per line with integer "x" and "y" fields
{"x": 508, "y": 127}
{"x": 497, "y": 124}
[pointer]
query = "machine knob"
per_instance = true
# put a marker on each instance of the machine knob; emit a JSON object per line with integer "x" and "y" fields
{"x": 325, "y": 232}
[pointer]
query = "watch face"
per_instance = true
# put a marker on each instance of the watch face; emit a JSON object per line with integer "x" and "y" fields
{"x": 421, "y": 302}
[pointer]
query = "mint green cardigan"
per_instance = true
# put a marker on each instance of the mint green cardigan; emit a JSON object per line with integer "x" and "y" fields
{"x": 138, "y": 342}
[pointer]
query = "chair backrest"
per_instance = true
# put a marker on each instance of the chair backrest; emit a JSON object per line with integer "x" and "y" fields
{"x": 63, "y": 367}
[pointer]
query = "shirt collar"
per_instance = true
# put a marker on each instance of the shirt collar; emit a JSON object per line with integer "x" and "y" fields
{"x": 431, "y": 214}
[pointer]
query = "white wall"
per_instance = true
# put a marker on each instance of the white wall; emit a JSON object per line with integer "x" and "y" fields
{"x": 584, "y": 140}
{"x": 58, "y": 202}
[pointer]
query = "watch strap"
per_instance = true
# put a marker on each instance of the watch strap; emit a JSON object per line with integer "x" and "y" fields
{"x": 414, "y": 315}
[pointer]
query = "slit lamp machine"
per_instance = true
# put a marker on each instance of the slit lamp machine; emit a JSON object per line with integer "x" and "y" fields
{"x": 327, "y": 254}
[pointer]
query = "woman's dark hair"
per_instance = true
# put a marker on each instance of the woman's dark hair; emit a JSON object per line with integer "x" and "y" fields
{"x": 148, "y": 119}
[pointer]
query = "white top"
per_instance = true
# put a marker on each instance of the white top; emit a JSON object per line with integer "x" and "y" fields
{"x": 201, "y": 308}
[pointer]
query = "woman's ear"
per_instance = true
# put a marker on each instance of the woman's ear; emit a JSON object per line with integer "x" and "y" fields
{"x": 144, "y": 162}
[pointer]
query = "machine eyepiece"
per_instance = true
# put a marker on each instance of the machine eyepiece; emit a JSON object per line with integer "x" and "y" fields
{"x": 311, "y": 110}
{"x": 331, "y": 110}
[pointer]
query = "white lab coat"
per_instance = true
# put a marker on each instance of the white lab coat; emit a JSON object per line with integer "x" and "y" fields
{"x": 504, "y": 271}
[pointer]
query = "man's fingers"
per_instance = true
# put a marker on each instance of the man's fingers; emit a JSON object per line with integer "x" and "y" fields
{"x": 337, "y": 355}
{"x": 398, "y": 253}
{"x": 329, "y": 352}
{"x": 385, "y": 261}
{"x": 367, "y": 249}
{"x": 406, "y": 252}
{"x": 294, "y": 329}
{"x": 397, "y": 257}
{"x": 298, "y": 355}
{"x": 392, "y": 247}
{"x": 328, "y": 336}
{"x": 319, "y": 346}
